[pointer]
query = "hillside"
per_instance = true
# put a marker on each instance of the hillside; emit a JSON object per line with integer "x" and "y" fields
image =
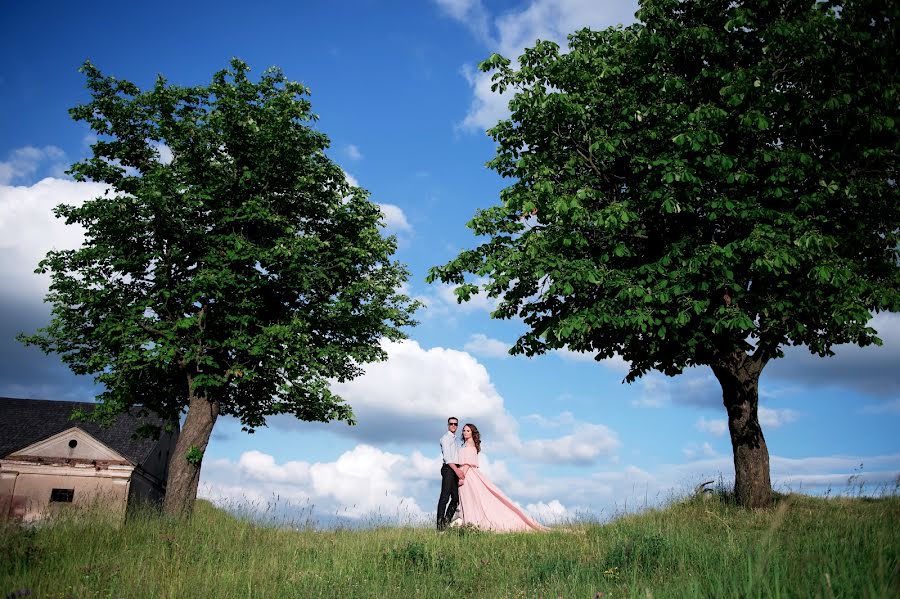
{"x": 804, "y": 546}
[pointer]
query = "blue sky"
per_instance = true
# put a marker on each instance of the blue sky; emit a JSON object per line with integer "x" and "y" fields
{"x": 397, "y": 92}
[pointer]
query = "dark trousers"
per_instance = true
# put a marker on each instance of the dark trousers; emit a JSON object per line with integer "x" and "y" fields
{"x": 449, "y": 491}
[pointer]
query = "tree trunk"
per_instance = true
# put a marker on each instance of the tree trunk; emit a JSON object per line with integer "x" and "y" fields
{"x": 184, "y": 465}
{"x": 738, "y": 374}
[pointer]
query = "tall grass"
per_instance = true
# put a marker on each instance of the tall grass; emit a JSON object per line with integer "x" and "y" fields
{"x": 700, "y": 547}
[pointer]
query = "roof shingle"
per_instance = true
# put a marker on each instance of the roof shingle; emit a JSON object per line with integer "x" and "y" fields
{"x": 27, "y": 421}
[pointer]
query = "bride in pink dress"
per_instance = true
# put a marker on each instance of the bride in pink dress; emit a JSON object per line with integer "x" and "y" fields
{"x": 483, "y": 504}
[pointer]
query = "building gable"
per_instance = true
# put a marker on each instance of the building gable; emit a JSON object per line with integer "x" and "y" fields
{"x": 71, "y": 444}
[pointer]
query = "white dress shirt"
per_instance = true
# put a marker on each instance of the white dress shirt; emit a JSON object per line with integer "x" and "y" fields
{"x": 449, "y": 448}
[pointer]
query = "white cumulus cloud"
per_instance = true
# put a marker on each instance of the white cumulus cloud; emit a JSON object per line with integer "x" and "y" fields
{"x": 361, "y": 482}
{"x": 408, "y": 397}
{"x": 585, "y": 445}
{"x": 550, "y": 513}
{"x": 394, "y": 219}
{"x": 482, "y": 345}
{"x": 29, "y": 229}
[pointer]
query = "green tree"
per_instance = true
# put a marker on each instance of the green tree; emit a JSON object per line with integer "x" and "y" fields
{"x": 237, "y": 277}
{"x": 704, "y": 187}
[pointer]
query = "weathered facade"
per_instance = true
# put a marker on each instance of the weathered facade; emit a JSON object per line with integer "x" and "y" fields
{"x": 49, "y": 462}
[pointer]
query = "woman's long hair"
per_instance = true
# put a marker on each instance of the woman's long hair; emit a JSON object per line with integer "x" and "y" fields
{"x": 476, "y": 437}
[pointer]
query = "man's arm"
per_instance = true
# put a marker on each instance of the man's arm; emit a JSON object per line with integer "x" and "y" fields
{"x": 445, "y": 448}
{"x": 446, "y": 444}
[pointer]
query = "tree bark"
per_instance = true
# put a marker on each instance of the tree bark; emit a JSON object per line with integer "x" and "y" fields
{"x": 184, "y": 475}
{"x": 738, "y": 375}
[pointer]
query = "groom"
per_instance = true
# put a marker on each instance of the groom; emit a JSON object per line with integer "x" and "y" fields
{"x": 450, "y": 479}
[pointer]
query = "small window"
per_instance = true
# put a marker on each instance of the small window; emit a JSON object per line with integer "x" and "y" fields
{"x": 62, "y": 495}
{"x": 73, "y": 443}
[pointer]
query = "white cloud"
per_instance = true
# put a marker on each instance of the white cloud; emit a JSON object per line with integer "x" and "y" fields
{"x": 163, "y": 152}
{"x": 351, "y": 180}
{"x": 478, "y": 302}
{"x": 585, "y": 445}
{"x": 470, "y": 13}
{"x": 482, "y": 345}
{"x": 394, "y": 219}
{"x": 25, "y": 162}
{"x": 353, "y": 152}
{"x": 361, "y": 482}
{"x": 408, "y": 397}
{"x": 488, "y": 107}
{"x": 440, "y": 300}
{"x": 555, "y": 19}
{"x": 262, "y": 467}
{"x": 515, "y": 30}
{"x": 29, "y": 229}
{"x": 550, "y": 513}
{"x": 772, "y": 418}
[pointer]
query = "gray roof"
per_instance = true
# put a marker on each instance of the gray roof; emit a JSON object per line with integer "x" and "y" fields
{"x": 27, "y": 421}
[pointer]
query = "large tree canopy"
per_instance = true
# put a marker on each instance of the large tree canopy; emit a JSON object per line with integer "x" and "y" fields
{"x": 704, "y": 187}
{"x": 229, "y": 269}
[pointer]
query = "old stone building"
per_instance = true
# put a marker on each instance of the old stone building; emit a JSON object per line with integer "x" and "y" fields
{"x": 49, "y": 462}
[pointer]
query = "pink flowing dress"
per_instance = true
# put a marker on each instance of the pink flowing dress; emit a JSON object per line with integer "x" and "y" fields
{"x": 484, "y": 505}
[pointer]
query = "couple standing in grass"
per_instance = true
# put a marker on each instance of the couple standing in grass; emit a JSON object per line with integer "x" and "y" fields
{"x": 483, "y": 504}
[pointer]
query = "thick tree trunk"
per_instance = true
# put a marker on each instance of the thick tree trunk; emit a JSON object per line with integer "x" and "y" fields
{"x": 738, "y": 374}
{"x": 184, "y": 473}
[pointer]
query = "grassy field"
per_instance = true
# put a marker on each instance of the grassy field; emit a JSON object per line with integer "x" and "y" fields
{"x": 802, "y": 547}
